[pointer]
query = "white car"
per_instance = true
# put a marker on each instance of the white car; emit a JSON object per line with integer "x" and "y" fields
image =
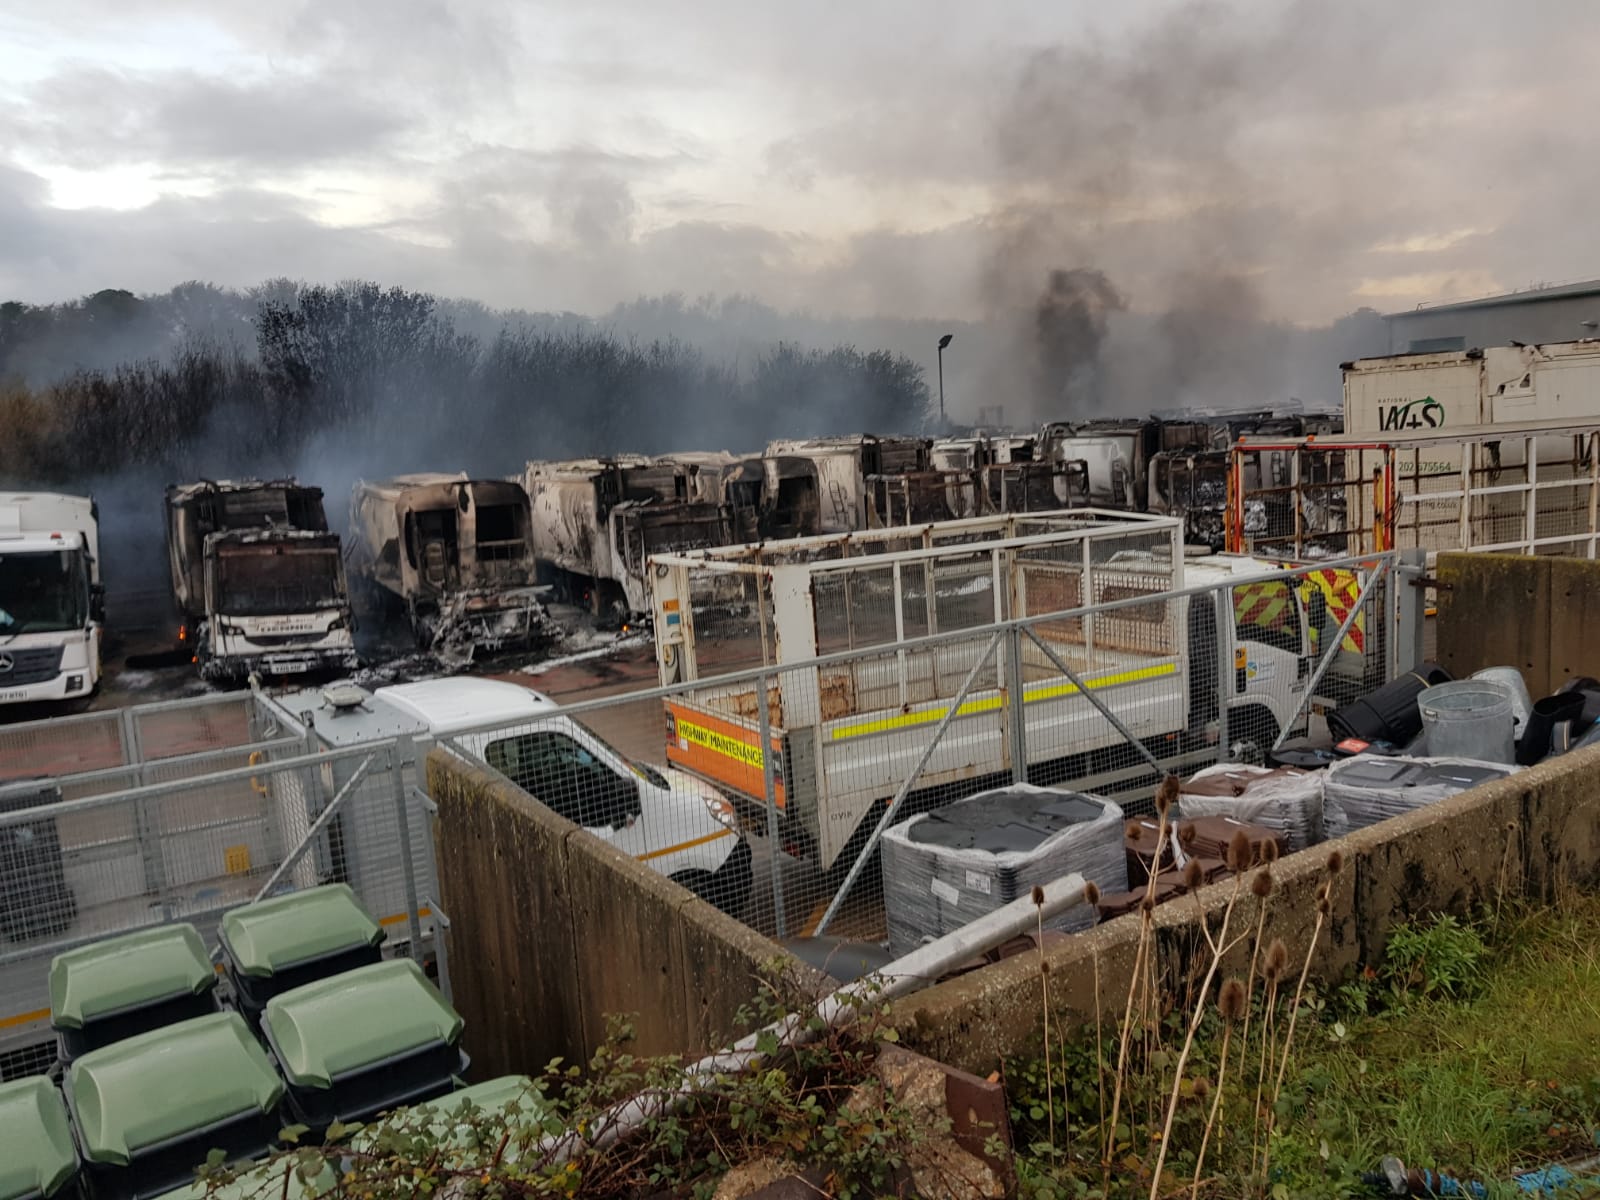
{"x": 680, "y": 825}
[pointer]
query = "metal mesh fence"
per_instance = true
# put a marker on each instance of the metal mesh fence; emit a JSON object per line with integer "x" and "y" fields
{"x": 1533, "y": 493}
{"x": 200, "y": 834}
{"x": 763, "y": 792}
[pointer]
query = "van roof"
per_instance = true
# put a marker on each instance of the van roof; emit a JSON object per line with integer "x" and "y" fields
{"x": 451, "y": 705}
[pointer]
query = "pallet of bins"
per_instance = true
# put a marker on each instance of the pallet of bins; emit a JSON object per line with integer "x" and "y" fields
{"x": 946, "y": 868}
{"x": 1197, "y": 840}
{"x": 123, "y": 986}
{"x": 276, "y": 945}
{"x": 1283, "y": 799}
{"x": 362, "y": 1042}
{"x": 148, "y": 1110}
{"x": 38, "y": 1158}
{"x": 1362, "y": 791}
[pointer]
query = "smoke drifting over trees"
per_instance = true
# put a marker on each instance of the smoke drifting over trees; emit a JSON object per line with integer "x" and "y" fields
{"x": 373, "y": 381}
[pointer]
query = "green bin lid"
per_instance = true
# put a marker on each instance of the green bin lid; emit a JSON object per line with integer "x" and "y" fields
{"x": 443, "y": 1114}
{"x": 36, "y": 1150}
{"x": 356, "y": 1019}
{"x": 160, "y": 1085}
{"x": 270, "y": 935}
{"x": 263, "y": 1183}
{"x": 125, "y": 972}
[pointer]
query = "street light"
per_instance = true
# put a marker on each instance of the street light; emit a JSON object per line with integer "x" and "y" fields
{"x": 943, "y": 342}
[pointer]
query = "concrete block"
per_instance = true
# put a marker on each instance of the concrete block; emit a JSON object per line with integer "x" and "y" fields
{"x": 503, "y": 880}
{"x": 1496, "y": 612}
{"x": 554, "y": 930}
{"x": 1574, "y": 620}
{"x": 629, "y": 948}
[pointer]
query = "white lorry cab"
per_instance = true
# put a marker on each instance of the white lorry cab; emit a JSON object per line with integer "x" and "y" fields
{"x": 50, "y": 597}
{"x": 681, "y": 826}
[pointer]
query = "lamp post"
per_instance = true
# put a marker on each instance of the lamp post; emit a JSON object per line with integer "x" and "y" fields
{"x": 943, "y": 342}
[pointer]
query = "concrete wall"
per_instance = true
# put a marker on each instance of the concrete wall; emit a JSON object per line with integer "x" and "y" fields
{"x": 552, "y": 930}
{"x": 1540, "y": 615}
{"x": 1536, "y": 830}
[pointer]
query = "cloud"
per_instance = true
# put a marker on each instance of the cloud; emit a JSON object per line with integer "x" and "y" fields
{"x": 889, "y": 158}
{"x": 183, "y": 121}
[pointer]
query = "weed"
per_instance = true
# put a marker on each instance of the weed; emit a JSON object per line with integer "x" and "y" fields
{"x": 1438, "y": 960}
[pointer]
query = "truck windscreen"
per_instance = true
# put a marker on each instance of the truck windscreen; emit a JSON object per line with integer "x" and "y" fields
{"x": 265, "y": 581}
{"x": 43, "y": 592}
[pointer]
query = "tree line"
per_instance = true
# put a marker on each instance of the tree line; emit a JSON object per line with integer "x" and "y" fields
{"x": 361, "y": 379}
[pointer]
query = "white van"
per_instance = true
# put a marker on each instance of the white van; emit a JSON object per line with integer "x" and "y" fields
{"x": 681, "y": 826}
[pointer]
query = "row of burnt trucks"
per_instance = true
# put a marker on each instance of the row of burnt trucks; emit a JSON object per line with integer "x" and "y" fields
{"x": 264, "y": 586}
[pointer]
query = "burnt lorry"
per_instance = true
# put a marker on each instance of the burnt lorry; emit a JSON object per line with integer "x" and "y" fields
{"x": 597, "y": 522}
{"x": 258, "y": 580}
{"x": 455, "y": 555}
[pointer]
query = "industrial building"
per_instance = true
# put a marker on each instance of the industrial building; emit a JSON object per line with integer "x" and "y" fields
{"x": 1548, "y": 314}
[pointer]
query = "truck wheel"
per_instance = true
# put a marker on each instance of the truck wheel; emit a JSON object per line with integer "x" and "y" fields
{"x": 699, "y": 882}
{"x": 1253, "y": 726}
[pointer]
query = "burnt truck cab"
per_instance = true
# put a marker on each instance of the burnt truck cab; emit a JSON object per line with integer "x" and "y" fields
{"x": 259, "y": 580}
{"x": 277, "y": 605}
{"x": 456, "y": 554}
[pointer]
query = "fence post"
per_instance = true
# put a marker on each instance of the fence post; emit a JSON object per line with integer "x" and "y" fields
{"x": 145, "y": 819}
{"x": 1226, "y": 668}
{"x": 1410, "y": 611}
{"x": 1017, "y": 726}
{"x": 403, "y": 751}
{"x": 774, "y": 850}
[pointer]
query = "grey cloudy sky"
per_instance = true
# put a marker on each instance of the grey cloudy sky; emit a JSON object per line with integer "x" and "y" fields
{"x": 926, "y": 158}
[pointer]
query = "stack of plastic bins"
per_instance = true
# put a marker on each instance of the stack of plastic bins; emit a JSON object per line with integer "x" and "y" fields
{"x": 150, "y": 1109}
{"x": 369, "y": 1040}
{"x": 277, "y": 1180}
{"x": 111, "y": 990}
{"x": 510, "y": 1098}
{"x": 277, "y": 945}
{"x": 37, "y": 1157}
{"x": 1365, "y": 790}
{"x": 953, "y": 865}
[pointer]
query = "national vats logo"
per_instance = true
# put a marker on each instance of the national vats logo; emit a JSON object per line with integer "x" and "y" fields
{"x": 1426, "y": 413}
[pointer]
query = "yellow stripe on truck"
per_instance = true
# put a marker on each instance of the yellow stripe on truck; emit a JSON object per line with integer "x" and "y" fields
{"x": 1049, "y": 691}
{"x": 24, "y": 1019}
{"x": 699, "y": 841}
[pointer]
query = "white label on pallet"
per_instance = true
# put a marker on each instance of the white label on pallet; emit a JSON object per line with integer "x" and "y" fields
{"x": 945, "y": 892}
{"x": 979, "y": 882}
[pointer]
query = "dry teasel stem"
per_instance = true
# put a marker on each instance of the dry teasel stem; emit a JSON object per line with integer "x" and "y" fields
{"x": 1166, "y": 794}
{"x": 1277, "y": 959}
{"x": 1239, "y": 852}
{"x": 1231, "y": 1001}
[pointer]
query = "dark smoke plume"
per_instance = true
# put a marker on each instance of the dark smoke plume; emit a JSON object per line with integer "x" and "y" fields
{"x": 1070, "y": 325}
